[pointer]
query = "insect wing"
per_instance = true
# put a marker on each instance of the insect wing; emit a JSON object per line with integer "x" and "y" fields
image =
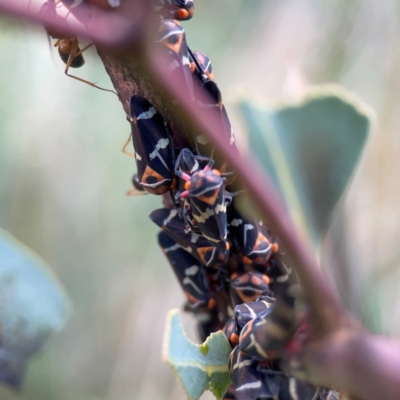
{"x": 153, "y": 150}
{"x": 190, "y": 273}
{"x": 195, "y": 244}
{"x": 204, "y": 63}
{"x": 206, "y": 195}
{"x": 247, "y": 311}
{"x": 250, "y": 382}
{"x": 247, "y": 236}
{"x": 171, "y": 38}
{"x": 209, "y": 100}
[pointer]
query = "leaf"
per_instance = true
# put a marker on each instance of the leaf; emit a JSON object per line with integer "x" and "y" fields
{"x": 32, "y": 307}
{"x": 310, "y": 148}
{"x": 198, "y": 367}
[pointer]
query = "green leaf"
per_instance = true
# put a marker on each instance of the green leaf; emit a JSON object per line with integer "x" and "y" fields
{"x": 33, "y": 306}
{"x": 198, "y": 367}
{"x": 310, "y": 148}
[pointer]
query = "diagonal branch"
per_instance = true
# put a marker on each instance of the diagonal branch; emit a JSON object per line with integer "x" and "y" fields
{"x": 325, "y": 307}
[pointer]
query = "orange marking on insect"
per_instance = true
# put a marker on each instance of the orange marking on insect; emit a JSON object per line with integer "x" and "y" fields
{"x": 234, "y": 339}
{"x": 234, "y": 276}
{"x": 228, "y": 246}
{"x": 210, "y": 199}
{"x": 203, "y": 252}
{"x": 275, "y": 248}
{"x": 181, "y": 14}
{"x": 266, "y": 279}
{"x": 216, "y": 172}
{"x": 211, "y": 303}
{"x": 192, "y": 299}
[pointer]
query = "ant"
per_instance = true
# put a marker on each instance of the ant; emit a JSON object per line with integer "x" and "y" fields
{"x": 68, "y": 46}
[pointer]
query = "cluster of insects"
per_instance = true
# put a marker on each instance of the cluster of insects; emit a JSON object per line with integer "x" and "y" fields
{"x": 227, "y": 264}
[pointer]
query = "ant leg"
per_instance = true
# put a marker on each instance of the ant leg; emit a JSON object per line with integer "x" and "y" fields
{"x": 75, "y": 53}
{"x": 135, "y": 192}
{"x": 128, "y": 153}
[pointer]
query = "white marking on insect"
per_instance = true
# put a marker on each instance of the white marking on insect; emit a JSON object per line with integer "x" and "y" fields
{"x": 236, "y": 222}
{"x": 176, "y": 31}
{"x": 257, "y": 346}
{"x": 292, "y": 389}
{"x": 193, "y": 270}
{"x": 268, "y": 305}
{"x": 202, "y": 139}
{"x": 171, "y": 215}
{"x": 185, "y": 60}
{"x": 252, "y": 385}
{"x": 137, "y": 156}
{"x": 150, "y": 113}
{"x": 260, "y": 322}
{"x": 161, "y": 144}
{"x": 194, "y": 236}
{"x": 252, "y": 313}
{"x": 154, "y": 185}
{"x": 202, "y": 218}
{"x": 173, "y": 248}
{"x": 211, "y": 239}
{"x": 240, "y": 364}
{"x": 195, "y": 167}
{"x": 261, "y": 252}
{"x": 220, "y": 208}
{"x": 247, "y": 227}
{"x": 188, "y": 281}
{"x": 282, "y": 278}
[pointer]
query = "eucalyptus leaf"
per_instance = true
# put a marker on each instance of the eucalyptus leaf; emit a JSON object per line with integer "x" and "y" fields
{"x": 310, "y": 148}
{"x": 198, "y": 367}
{"x": 32, "y": 307}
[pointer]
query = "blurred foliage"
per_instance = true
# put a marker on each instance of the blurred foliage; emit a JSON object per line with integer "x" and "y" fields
{"x": 63, "y": 179}
{"x": 310, "y": 148}
{"x": 198, "y": 367}
{"x": 33, "y": 307}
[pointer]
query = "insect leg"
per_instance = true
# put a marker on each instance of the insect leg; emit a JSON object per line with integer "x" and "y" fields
{"x": 128, "y": 153}
{"x": 74, "y": 53}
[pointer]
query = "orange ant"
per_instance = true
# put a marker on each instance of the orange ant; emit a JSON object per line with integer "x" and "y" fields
{"x": 68, "y": 46}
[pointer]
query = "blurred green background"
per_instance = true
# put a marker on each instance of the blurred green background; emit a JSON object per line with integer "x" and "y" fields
{"x": 63, "y": 180}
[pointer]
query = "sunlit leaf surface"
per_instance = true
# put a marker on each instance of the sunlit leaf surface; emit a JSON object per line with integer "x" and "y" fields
{"x": 198, "y": 367}
{"x": 33, "y": 306}
{"x": 310, "y": 148}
